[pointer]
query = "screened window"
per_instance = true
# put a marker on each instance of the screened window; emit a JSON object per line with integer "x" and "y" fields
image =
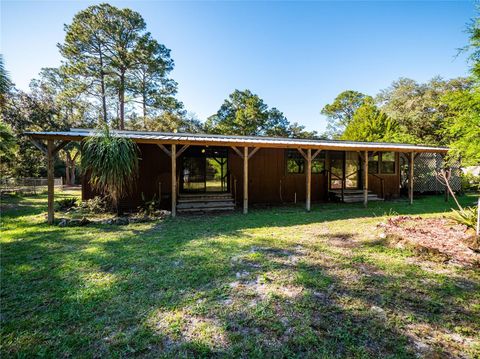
{"x": 388, "y": 162}
{"x": 373, "y": 164}
{"x": 318, "y": 164}
{"x": 295, "y": 162}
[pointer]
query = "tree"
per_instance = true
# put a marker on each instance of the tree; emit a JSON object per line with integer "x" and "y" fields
{"x": 418, "y": 108}
{"x": 8, "y": 149}
{"x": 369, "y": 124}
{"x": 243, "y": 113}
{"x": 112, "y": 164}
{"x": 148, "y": 82}
{"x": 107, "y": 49}
{"x": 5, "y": 83}
{"x": 340, "y": 112}
{"x": 473, "y": 47}
{"x": 85, "y": 53}
{"x": 462, "y": 128}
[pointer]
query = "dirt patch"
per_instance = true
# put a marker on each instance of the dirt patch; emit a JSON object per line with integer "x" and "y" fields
{"x": 437, "y": 237}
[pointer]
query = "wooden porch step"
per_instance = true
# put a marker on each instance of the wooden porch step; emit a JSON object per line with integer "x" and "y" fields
{"x": 205, "y": 202}
{"x": 354, "y": 196}
{"x": 206, "y": 209}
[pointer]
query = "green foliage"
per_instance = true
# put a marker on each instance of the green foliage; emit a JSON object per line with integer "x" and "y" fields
{"x": 245, "y": 113}
{"x": 111, "y": 163}
{"x": 110, "y": 54}
{"x": 470, "y": 183}
{"x": 462, "y": 127}
{"x": 340, "y": 112}
{"x": 473, "y": 47}
{"x": 66, "y": 203}
{"x": 371, "y": 125}
{"x": 8, "y": 148}
{"x": 419, "y": 108}
{"x": 5, "y": 83}
{"x": 468, "y": 216}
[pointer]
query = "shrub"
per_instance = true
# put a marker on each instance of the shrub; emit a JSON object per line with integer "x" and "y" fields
{"x": 66, "y": 203}
{"x": 470, "y": 183}
{"x": 112, "y": 163}
{"x": 95, "y": 205}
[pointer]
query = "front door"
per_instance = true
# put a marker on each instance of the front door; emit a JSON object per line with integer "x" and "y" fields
{"x": 344, "y": 170}
{"x": 204, "y": 169}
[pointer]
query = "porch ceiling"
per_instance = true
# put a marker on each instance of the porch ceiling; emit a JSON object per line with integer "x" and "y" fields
{"x": 241, "y": 141}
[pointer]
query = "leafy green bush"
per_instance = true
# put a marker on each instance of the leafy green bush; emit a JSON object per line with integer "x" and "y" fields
{"x": 95, "y": 205}
{"x": 467, "y": 217}
{"x": 65, "y": 203}
{"x": 470, "y": 183}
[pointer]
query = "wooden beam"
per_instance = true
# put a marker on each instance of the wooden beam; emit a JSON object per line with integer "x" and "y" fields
{"x": 253, "y": 152}
{"x": 245, "y": 180}
{"x": 317, "y": 152}
{"x": 365, "y": 179}
{"x": 50, "y": 184}
{"x": 410, "y": 178}
{"x": 174, "y": 180}
{"x": 309, "y": 179}
{"x": 361, "y": 154}
{"x": 238, "y": 151}
{"x": 302, "y": 153}
{"x": 60, "y": 146}
{"x": 40, "y": 145}
{"x": 164, "y": 149}
{"x": 182, "y": 150}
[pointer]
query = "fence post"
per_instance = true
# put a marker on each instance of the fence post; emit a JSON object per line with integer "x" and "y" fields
{"x": 478, "y": 217}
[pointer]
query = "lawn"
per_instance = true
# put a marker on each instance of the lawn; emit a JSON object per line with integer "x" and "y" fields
{"x": 274, "y": 283}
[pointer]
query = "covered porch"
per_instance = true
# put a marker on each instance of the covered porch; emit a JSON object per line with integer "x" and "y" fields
{"x": 217, "y": 164}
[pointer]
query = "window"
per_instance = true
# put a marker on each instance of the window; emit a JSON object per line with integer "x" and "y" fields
{"x": 318, "y": 164}
{"x": 388, "y": 162}
{"x": 295, "y": 162}
{"x": 373, "y": 164}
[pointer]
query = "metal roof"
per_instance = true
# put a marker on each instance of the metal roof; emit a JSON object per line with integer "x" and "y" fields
{"x": 76, "y": 134}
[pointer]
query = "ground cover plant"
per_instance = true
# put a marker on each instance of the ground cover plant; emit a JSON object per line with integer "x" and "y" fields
{"x": 277, "y": 282}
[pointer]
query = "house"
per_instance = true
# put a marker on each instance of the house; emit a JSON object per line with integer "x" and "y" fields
{"x": 191, "y": 172}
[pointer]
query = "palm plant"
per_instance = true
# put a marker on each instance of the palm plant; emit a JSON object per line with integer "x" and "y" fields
{"x": 112, "y": 163}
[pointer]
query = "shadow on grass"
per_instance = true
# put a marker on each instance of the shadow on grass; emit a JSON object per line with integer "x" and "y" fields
{"x": 212, "y": 286}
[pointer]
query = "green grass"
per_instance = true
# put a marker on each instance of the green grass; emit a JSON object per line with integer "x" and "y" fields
{"x": 275, "y": 283}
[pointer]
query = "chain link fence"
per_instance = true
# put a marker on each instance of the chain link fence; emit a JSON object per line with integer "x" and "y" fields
{"x": 27, "y": 185}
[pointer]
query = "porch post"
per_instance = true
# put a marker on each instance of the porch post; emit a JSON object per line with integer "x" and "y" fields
{"x": 173, "y": 156}
{"x": 365, "y": 179}
{"x": 410, "y": 178}
{"x": 50, "y": 184}
{"x": 309, "y": 179}
{"x": 245, "y": 180}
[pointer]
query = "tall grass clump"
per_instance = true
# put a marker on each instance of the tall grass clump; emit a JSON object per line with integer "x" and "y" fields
{"x": 112, "y": 164}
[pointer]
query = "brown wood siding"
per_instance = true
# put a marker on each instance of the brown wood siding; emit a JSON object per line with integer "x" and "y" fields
{"x": 268, "y": 180}
{"x": 392, "y": 182}
{"x": 154, "y": 168}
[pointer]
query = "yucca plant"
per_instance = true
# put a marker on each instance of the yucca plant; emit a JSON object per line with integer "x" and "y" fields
{"x": 467, "y": 216}
{"x": 112, "y": 163}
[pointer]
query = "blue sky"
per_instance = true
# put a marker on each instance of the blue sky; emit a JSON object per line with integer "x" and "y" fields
{"x": 297, "y": 56}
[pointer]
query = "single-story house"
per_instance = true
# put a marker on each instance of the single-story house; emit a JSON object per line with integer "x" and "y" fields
{"x": 191, "y": 172}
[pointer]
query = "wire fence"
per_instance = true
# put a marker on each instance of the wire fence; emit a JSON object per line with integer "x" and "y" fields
{"x": 27, "y": 185}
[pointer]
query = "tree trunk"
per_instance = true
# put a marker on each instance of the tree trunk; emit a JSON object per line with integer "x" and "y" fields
{"x": 67, "y": 168}
{"x": 72, "y": 175}
{"x": 121, "y": 98}
{"x": 102, "y": 85}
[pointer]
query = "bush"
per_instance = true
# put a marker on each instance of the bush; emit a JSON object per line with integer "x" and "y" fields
{"x": 95, "y": 205}
{"x": 470, "y": 183}
{"x": 467, "y": 217}
{"x": 65, "y": 203}
{"x": 149, "y": 207}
